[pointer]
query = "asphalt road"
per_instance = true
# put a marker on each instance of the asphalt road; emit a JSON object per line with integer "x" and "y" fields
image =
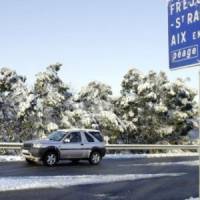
{"x": 160, "y": 188}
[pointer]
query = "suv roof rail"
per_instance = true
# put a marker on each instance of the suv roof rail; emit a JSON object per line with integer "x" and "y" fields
{"x": 79, "y": 129}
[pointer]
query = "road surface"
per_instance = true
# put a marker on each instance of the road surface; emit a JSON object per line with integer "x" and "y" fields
{"x": 180, "y": 187}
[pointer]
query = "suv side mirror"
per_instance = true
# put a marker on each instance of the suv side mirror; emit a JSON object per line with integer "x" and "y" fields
{"x": 66, "y": 140}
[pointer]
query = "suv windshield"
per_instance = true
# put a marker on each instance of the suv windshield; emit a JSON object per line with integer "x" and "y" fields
{"x": 56, "y": 135}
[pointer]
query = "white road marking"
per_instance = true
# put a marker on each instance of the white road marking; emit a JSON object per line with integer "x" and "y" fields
{"x": 33, "y": 182}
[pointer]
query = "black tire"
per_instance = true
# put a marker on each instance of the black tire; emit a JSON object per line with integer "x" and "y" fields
{"x": 30, "y": 162}
{"x": 50, "y": 158}
{"x": 95, "y": 158}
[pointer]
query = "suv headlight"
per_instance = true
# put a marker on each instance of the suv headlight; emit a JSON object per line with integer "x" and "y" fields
{"x": 38, "y": 145}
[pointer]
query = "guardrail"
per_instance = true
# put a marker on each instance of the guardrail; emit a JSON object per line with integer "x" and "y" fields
{"x": 9, "y": 145}
{"x": 17, "y": 146}
{"x": 150, "y": 147}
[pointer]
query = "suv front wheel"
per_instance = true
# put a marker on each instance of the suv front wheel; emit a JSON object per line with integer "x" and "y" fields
{"x": 95, "y": 158}
{"x": 50, "y": 158}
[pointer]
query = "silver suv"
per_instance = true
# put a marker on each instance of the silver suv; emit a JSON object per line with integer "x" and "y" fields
{"x": 72, "y": 145}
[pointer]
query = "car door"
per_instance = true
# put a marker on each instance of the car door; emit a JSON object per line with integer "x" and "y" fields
{"x": 72, "y": 146}
{"x": 88, "y": 144}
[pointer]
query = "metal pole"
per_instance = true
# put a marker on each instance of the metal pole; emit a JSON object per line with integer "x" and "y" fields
{"x": 199, "y": 131}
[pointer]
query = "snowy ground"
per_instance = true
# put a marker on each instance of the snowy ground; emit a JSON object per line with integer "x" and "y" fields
{"x": 156, "y": 155}
{"x": 188, "y": 163}
{"x": 7, "y": 158}
{"x": 32, "y": 182}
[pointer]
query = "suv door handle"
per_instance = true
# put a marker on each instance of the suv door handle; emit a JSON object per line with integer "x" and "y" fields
{"x": 82, "y": 144}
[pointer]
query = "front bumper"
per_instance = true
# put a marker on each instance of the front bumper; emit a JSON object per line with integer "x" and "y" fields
{"x": 31, "y": 155}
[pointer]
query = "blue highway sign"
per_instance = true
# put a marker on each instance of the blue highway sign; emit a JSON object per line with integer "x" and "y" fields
{"x": 184, "y": 33}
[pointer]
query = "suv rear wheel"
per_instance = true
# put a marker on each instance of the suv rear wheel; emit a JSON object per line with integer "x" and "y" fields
{"x": 50, "y": 158}
{"x": 95, "y": 158}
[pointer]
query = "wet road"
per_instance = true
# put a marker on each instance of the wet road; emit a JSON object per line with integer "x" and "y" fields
{"x": 181, "y": 187}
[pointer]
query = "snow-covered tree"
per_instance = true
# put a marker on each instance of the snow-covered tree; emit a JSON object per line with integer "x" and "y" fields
{"x": 182, "y": 108}
{"x": 13, "y": 92}
{"x": 149, "y": 109}
{"x": 153, "y": 108}
{"x": 93, "y": 108}
{"x": 47, "y": 102}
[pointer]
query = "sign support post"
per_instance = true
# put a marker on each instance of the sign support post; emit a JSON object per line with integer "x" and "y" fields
{"x": 199, "y": 131}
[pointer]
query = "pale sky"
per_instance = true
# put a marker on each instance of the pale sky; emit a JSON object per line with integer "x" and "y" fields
{"x": 93, "y": 39}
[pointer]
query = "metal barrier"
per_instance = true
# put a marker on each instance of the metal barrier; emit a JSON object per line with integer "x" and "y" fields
{"x": 150, "y": 147}
{"x": 11, "y": 146}
{"x": 17, "y": 146}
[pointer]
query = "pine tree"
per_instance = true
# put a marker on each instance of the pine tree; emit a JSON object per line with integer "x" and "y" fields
{"x": 50, "y": 97}
{"x": 94, "y": 108}
{"x": 13, "y": 92}
{"x": 154, "y": 109}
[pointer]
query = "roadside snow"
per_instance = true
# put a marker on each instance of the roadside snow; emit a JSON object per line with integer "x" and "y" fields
{"x": 191, "y": 198}
{"x": 7, "y": 158}
{"x": 156, "y": 155}
{"x": 32, "y": 182}
{"x": 188, "y": 163}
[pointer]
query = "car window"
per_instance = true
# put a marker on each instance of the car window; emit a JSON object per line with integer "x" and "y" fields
{"x": 74, "y": 137}
{"x": 57, "y": 135}
{"x": 97, "y": 135}
{"x": 89, "y": 138}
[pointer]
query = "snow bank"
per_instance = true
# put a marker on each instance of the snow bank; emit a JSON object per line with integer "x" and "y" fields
{"x": 191, "y": 198}
{"x": 156, "y": 155}
{"x": 6, "y": 158}
{"x": 188, "y": 163}
{"x": 32, "y": 182}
